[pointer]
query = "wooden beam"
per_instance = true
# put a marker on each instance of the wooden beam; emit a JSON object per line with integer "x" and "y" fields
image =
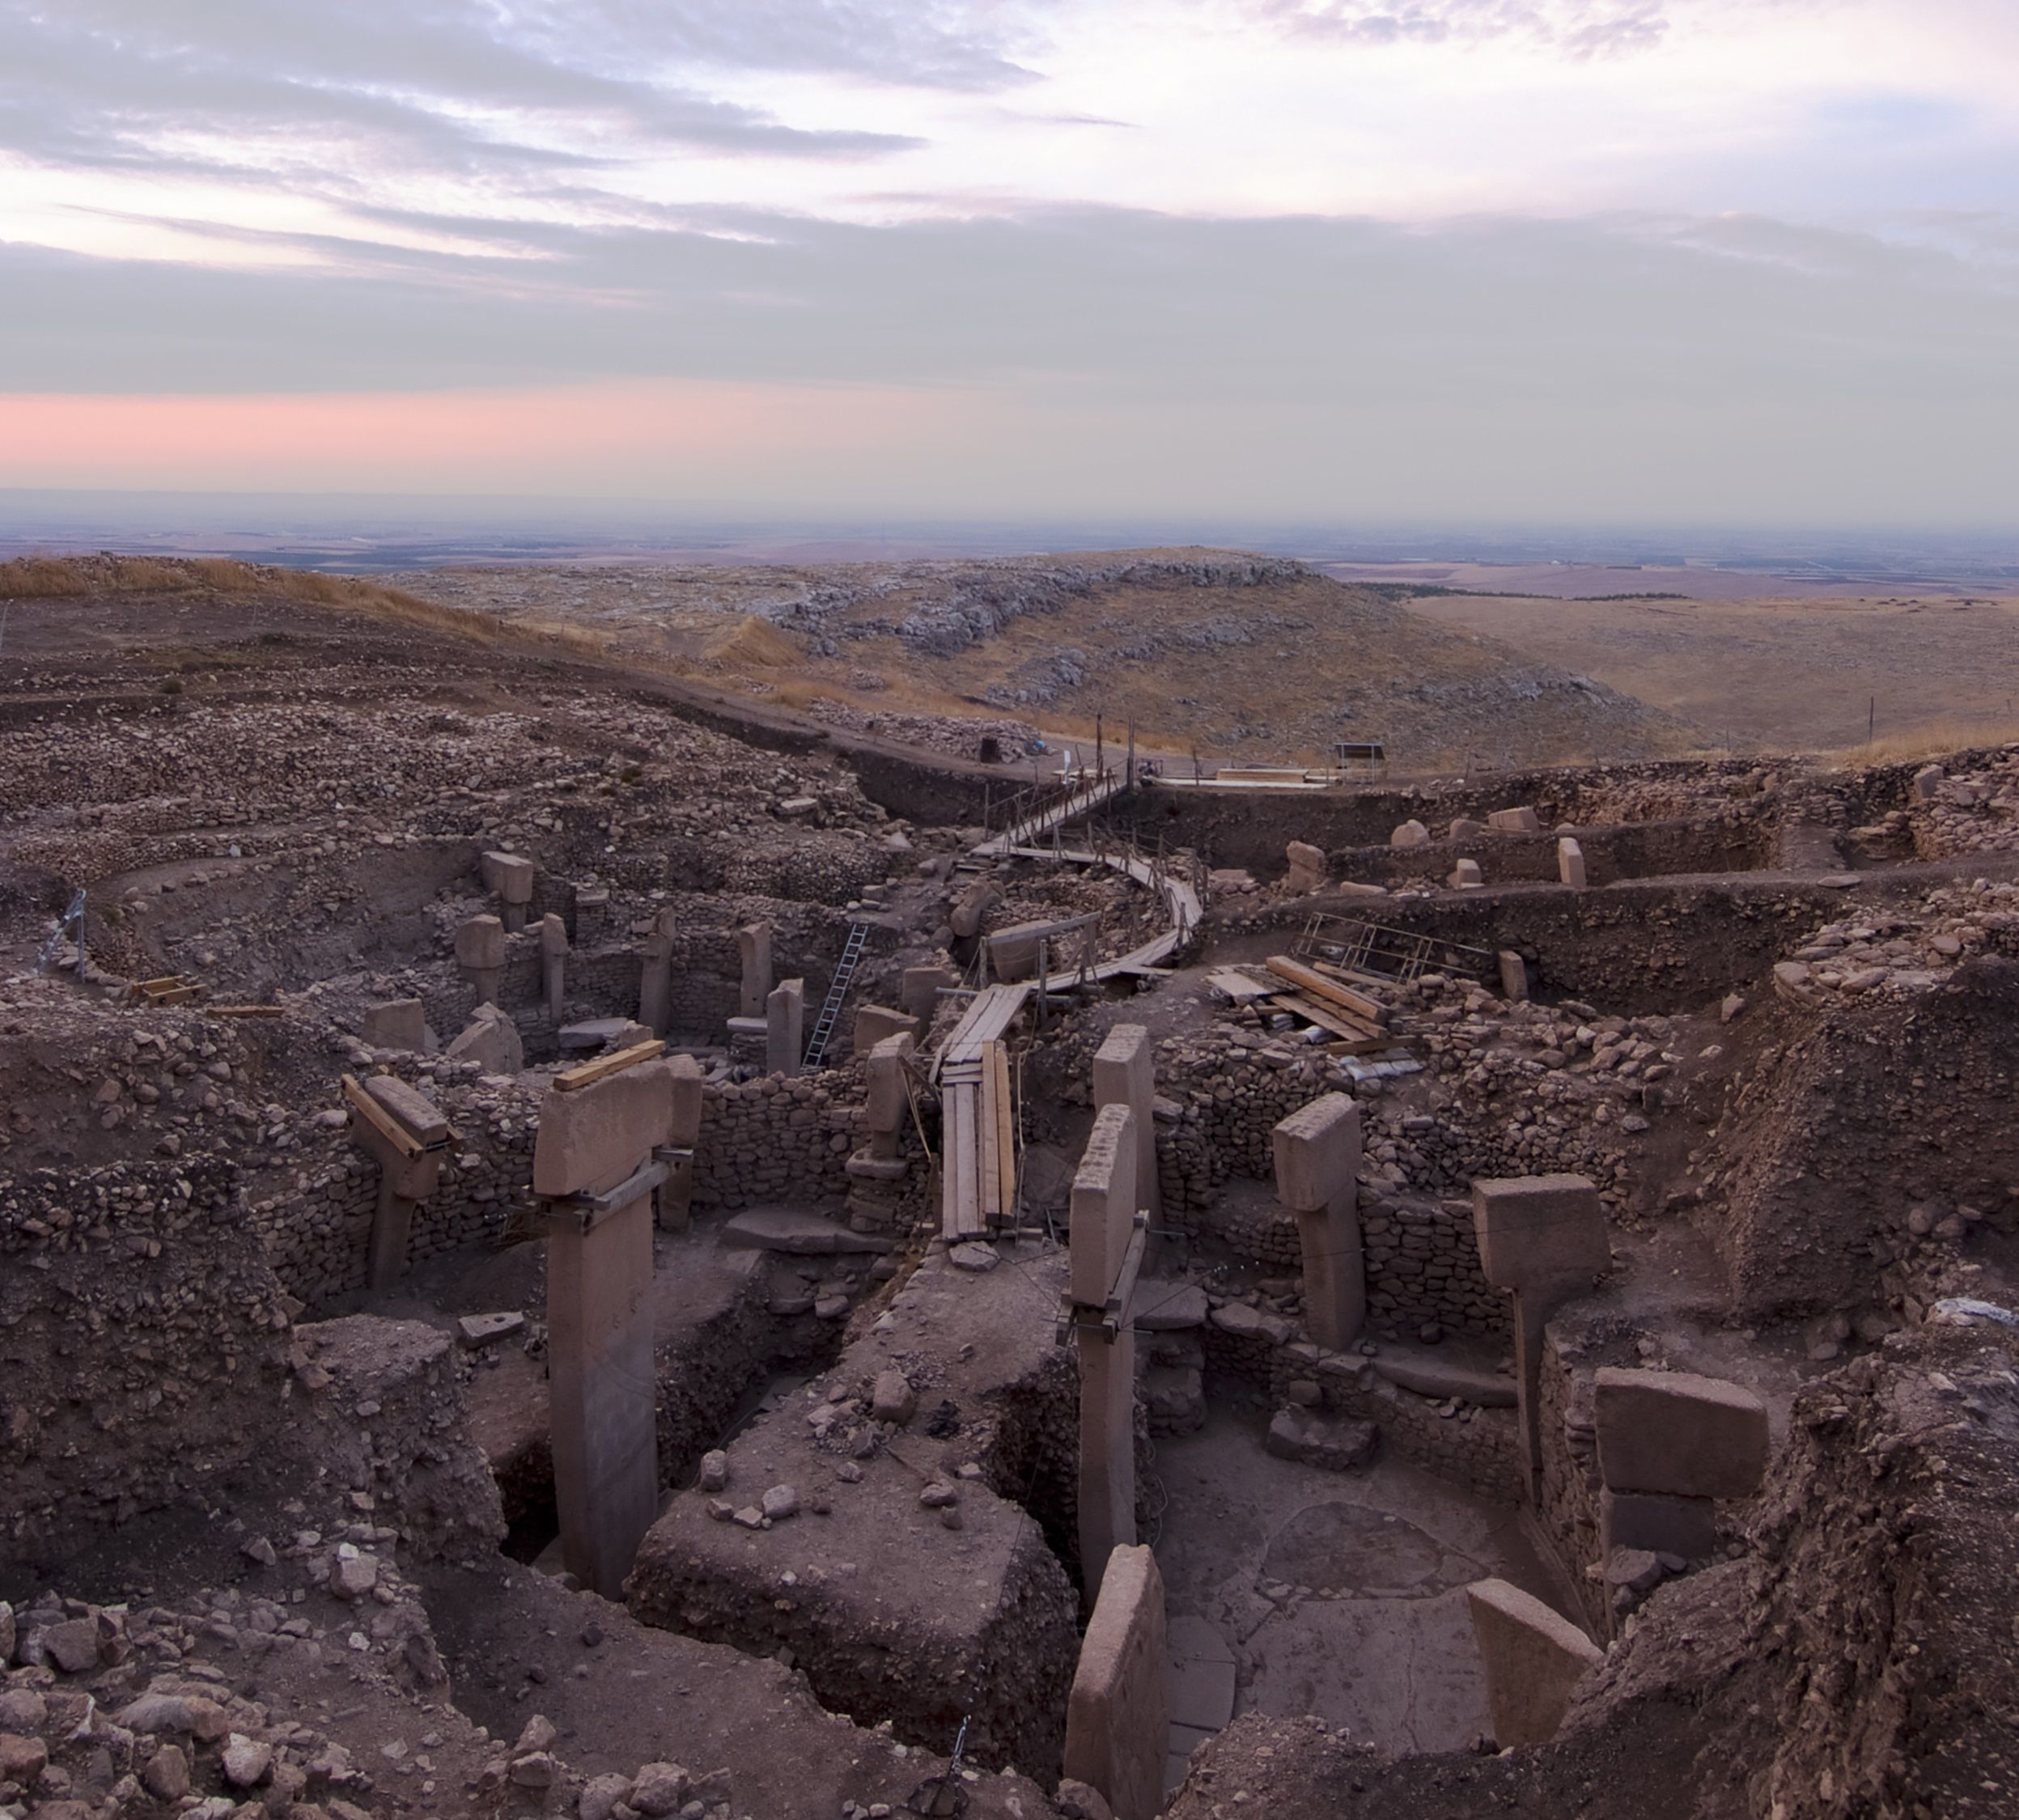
{"x": 1369, "y": 1010}
{"x": 1006, "y": 1135}
{"x": 573, "y": 1080}
{"x": 242, "y": 1010}
{"x": 1329, "y": 1017}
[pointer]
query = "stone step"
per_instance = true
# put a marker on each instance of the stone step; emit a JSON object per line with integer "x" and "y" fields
{"x": 865, "y": 1168}
{"x": 1164, "y": 1307}
{"x": 802, "y": 1235}
{"x": 1445, "y": 1377}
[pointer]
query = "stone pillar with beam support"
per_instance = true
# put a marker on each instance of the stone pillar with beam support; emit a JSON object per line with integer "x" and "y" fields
{"x": 511, "y": 877}
{"x": 402, "y": 1130}
{"x": 595, "y": 1165}
{"x": 1106, "y": 1242}
{"x": 1317, "y": 1152}
{"x": 553, "y": 964}
{"x": 1118, "y": 1717}
{"x": 677, "y": 1193}
{"x": 754, "y": 946}
{"x": 1542, "y": 1239}
{"x": 1124, "y": 1074}
{"x": 784, "y": 1027}
{"x": 479, "y": 951}
{"x": 656, "y": 975}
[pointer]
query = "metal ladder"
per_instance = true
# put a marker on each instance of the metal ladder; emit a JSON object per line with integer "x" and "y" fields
{"x": 837, "y": 994}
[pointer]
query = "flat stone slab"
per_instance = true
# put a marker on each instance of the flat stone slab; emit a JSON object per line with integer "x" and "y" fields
{"x": 1439, "y": 1377}
{"x": 479, "y": 1329}
{"x": 1162, "y": 1308}
{"x": 593, "y": 1032}
{"x": 802, "y": 1235}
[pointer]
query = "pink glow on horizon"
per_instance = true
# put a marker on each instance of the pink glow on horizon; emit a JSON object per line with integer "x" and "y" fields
{"x": 536, "y": 438}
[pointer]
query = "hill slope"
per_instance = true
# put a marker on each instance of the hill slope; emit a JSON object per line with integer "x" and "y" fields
{"x": 1250, "y": 659}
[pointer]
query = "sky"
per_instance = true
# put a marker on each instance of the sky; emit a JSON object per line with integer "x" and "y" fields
{"x": 1750, "y": 261}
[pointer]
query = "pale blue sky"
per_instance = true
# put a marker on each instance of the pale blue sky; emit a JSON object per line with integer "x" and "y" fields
{"x": 1572, "y": 258}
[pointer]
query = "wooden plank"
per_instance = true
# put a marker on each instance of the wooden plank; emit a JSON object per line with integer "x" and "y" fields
{"x": 366, "y": 1107}
{"x": 573, "y": 1080}
{"x": 1006, "y": 1140}
{"x": 990, "y": 1173}
{"x": 1307, "y": 979}
{"x": 1239, "y": 987}
{"x": 175, "y": 995}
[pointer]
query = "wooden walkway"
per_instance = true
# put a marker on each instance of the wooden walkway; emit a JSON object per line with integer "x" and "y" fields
{"x": 1082, "y": 801}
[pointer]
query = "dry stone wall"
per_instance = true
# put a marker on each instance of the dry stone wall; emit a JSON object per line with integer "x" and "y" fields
{"x": 144, "y": 1347}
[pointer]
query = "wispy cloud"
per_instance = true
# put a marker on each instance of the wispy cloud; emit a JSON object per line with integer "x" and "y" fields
{"x": 1578, "y": 27}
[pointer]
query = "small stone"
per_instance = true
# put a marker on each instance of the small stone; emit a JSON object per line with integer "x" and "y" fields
{"x": 974, "y": 1256}
{"x": 355, "y": 1578}
{"x": 893, "y": 1400}
{"x": 166, "y": 1775}
{"x": 749, "y": 1517}
{"x": 849, "y": 1472}
{"x": 538, "y": 1733}
{"x": 600, "y": 1797}
{"x": 22, "y": 1760}
{"x": 535, "y": 1772}
{"x": 779, "y": 1503}
{"x": 937, "y": 1496}
{"x": 72, "y": 1647}
{"x": 260, "y": 1550}
{"x": 659, "y": 1789}
{"x": 714, "y": 1471}
{"x": 247, "y": 1762}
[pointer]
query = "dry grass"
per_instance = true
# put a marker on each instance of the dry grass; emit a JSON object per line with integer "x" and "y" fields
{"x": 1936, "y": 740}
{"x": 754, "y": 641}
{"x": 44, "y": 578}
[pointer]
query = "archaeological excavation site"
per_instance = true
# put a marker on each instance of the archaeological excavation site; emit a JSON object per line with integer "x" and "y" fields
{"x": 578, "y": 1239}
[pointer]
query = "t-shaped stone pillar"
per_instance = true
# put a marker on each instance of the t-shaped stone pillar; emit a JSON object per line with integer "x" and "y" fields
{"x": 512, "y": 878}
{"x": 404, "y": 1132}
{"x": 784, "y": 1027}
{"x": 479, "y": 951}
{"x": 1318, "y": 1178}
{"x": 656, "y": 975}
{"x": 677, "y": 1193}
{"x": 1124, "y": 1074}
{"x": 1106, "y": 1244}
{"x": 753, "y": 943}
{"x": 553, "y": 964}
{"x": 890, "y": 1099}
{"x": 1670, "y": 1445}
{"x": 593, "y": 1163}
{"x": 1118, "y": 1718}
{"x": 1542, "y": 1238}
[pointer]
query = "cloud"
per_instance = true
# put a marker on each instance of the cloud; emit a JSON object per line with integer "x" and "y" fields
{"x": 1578, "y": 27}
{"x": 349, "y": 89}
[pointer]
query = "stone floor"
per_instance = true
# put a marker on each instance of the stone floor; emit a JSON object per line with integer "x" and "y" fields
{"x": 1293, "y": 1590}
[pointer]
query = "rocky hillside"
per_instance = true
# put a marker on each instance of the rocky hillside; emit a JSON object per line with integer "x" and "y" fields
{"x": 1252, "y": 659}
